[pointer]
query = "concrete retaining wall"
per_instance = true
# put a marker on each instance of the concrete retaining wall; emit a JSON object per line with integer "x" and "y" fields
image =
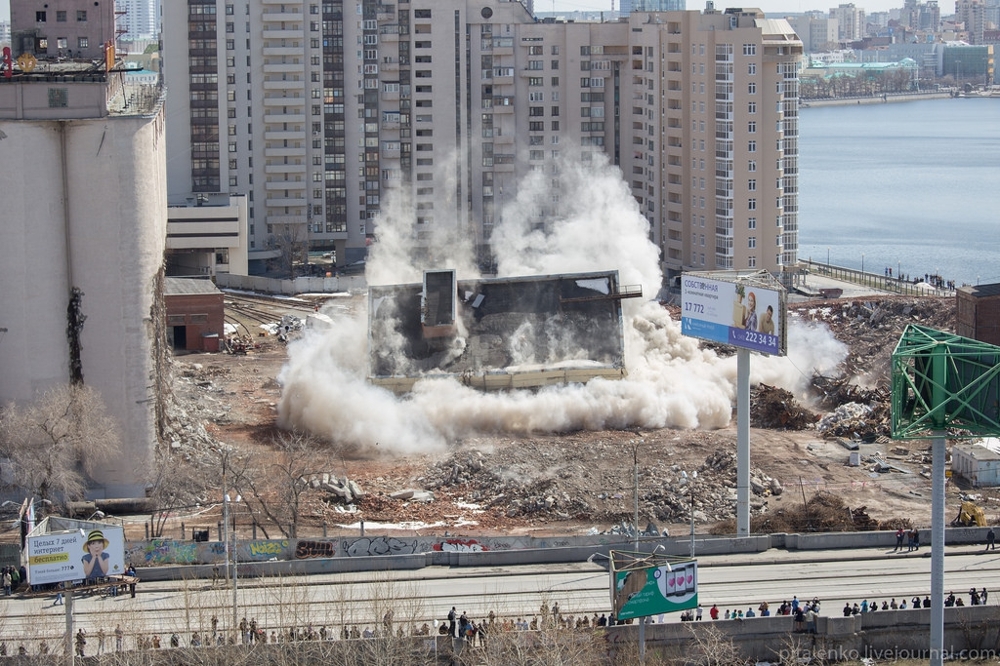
{"x": 302, "y": 285}
{"x": 883, "y": 636}
{"x": 320, "y": 555}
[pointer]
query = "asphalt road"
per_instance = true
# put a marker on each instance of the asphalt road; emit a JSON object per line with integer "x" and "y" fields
{"x": 362, "y": 599}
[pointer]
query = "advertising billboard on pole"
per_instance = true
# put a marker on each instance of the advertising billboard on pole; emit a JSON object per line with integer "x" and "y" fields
{"x": 86, "y": 554}
{"x": 743, "y": 311}
{"x": 646, "y": 587}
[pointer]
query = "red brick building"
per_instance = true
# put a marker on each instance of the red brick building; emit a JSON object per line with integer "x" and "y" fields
{"x": 195, "y": 314}
{"x": 977, "y": 312}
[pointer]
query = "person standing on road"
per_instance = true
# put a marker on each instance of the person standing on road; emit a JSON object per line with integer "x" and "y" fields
{"x": 451, "y": 622}
{"x": 713, "y": 612}
{"x": 899, "y": 540}
{"x": 982, "y": 596}
{"x": 991, "y": 540}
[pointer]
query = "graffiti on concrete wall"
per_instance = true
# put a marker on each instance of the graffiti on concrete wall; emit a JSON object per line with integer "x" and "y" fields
{"x": 268, "y": 549}
{"x": 305, "y": 549}
{"x": 461, "y": 546}
{"x": 366, "y": 546}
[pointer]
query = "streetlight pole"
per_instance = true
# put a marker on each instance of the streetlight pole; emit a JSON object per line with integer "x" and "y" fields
{"x": 694, "y": 475}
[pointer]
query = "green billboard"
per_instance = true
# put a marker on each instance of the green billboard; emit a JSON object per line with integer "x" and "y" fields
{"x": 643, "y": 586}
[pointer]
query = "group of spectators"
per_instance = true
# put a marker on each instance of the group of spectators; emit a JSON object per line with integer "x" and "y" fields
{"x": 976, "y": 598}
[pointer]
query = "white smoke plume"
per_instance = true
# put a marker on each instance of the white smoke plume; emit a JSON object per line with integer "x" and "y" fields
{"x": 592, "y": 224}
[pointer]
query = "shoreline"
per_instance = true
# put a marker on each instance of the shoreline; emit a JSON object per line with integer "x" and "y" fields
{"x": 889, "y": 99}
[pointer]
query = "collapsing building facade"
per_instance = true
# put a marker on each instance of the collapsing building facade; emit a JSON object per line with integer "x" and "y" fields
{"x": 498, "y": 333}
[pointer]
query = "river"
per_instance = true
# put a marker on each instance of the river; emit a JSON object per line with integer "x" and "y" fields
{"x": 914, "y": 186}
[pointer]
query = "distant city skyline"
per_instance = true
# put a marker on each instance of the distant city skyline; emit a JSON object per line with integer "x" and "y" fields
{"x": 777, "y": 7}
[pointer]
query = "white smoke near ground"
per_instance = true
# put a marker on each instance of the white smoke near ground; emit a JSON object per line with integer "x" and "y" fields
{"x": 592, "y": 223}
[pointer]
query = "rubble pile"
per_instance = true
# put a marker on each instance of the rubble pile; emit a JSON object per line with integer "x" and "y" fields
{"x": 871, "y": 326}
{"x": 775, "y": 408}
{"x": 665, "y": 493}
{"x": 857, "y": 421}
{"x": 824, "y": 512}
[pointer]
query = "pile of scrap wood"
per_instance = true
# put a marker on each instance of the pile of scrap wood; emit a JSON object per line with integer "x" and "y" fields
{"x": 775, "y": 408}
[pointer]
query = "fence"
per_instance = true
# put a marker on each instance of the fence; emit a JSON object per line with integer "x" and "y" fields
{"x": 873, "y": 280}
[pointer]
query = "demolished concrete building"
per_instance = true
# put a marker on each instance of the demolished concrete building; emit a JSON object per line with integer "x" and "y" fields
{"x": 498, "y": 333}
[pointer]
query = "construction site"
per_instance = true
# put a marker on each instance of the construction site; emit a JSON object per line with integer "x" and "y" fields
{"x": 821, "y": 460}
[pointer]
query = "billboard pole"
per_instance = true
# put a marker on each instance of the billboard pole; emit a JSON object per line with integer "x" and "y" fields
{"x": 742, "y": 442}
{"x": 68, "y": 641}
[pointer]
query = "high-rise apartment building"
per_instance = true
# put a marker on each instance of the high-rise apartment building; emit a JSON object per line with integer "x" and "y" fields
{"x": 326, "y": 112}
{"x": 138, "y": 19}
{"x": 973, "y": 14}
{"x": 851, "y": 22}
{"x": 817, "y": 34}
{"x": 62, "y": 28}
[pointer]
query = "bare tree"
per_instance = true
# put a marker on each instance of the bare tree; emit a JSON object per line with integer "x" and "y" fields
{"x": 274, "y": 483}
{"x": 288, "y": 240}
{"x": 56, "y": 442}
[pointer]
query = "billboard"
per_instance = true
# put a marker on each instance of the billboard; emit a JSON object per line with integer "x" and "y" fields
{"x": 644, "y": 589}
{"x": 734, "y": 312}
{"x": 86, "y": 554}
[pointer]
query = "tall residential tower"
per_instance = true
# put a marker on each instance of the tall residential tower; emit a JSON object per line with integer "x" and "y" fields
{"x": 321, "y": 111}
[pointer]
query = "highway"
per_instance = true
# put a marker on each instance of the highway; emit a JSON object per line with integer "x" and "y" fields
{"x": 362, "y": 599}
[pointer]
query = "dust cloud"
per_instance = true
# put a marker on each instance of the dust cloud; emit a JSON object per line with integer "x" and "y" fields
{"x": 592, "y": 224}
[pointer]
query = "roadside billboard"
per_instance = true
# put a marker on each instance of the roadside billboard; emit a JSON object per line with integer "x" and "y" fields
{"x": 88, "y": 554}
{"x": 640, "y": 590}
{"x": 735, "y": 312}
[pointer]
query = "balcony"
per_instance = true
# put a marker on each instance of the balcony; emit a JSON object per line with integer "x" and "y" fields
{"x": 289, "y": 220}
{"x": 282, "y": 34}
{"x": 281, "y": 202}
{"x": 284, "y": 85}
{"x": 297, "y": 101}
{"x": 283, "y": 68}
{"x": 285, "y": 168}
{"x": 281, "y": 185}
{"x": 284, "y": 50}
{"x": 285, "y": 151}
{"x": 276, "y": 118}
{"x": 271, "y": 17}
{"x": 284, "y": 135}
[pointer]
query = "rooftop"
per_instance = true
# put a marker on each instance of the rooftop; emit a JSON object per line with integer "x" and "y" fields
{"x": 174, "y": 286}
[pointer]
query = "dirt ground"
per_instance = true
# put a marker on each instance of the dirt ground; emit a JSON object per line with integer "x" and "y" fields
{"x": 583, "y": 481}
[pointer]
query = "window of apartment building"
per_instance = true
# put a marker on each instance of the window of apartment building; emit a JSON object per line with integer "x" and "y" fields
{"x": 555, "y": 80}
{"x": 752, "y": 107}
{"x": 749, "y": 49}
{"x": 555, "y": 111}
{"x": 555, "y": 49}
{"x": 751, "y": 146}
{"x": 555, "y": 125}
{"x": 81, "y": 15}
{"x": 230, "y": 44}
{"x": 584, "y": 65}
{"x": 536, "y": 50}
{"x": 554, "y": 64}
{"x": 752, "y": 127}
{"x": 535, "y": 65}
{"x": 536, "y": 155}
{"x": 62, "y": 43}
{"x": 230, "y": 10}
{"x": 416, "y": 45}
{"x": 751, "y": 204}
{"x": 536, "y": 126}
{"x": 536, "y": 111}
{"x": 752, "y": 185}
{"x": 536, "y": 80}
{"x": 751, "y": 223}
{"x": 39, "y": 17}
{"x": 752, "y": 165}
{"x": 536, "y": 140}
{"x": 60, "y": 17}
{"x": 752, "y": 88}
{"x": 232, "y": 146}
{"x": 421, "y": 13}
{"x": 230, "y": 27}
{"x": 752, "y": 68}
{"x": 82, "y": 42}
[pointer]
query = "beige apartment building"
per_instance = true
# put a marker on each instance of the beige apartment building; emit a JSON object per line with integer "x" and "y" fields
{"x": 324, "y": 113}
